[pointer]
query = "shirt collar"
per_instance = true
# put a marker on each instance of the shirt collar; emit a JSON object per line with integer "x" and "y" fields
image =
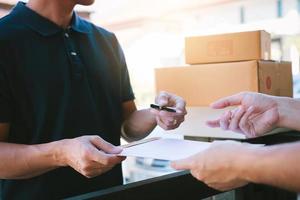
{"x": 46, "y": 27}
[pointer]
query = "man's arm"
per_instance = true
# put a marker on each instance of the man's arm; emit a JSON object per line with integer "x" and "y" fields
{"x": 137, "y": 124}
{"x": 289, "y": 112}
{"x": 25, "y": 161}
{"x": 277, "y": 165}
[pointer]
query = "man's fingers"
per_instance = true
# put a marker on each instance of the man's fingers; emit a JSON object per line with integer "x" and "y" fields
{"x": 162, "y": 99}
{"x": 171, "y": 100}
{"x": 222, "y": 122}
{"x": 97, "y": 156}
{"x": 161, "y": 123}
{"x": 105, "y": 146}
{"x": 107, "y": 159}
{"x": 180, "y": 104}
{"x": 113, "y": 160}
{"x": 169, "y": 120}
{"x": 235, "y": 120}
{"x": 213, "y": 123}
{"x": 225, "y": 120}
{"x": 244, "y": 122}
{"x": 227, "y": 101}
{"x": 183, "y": 164}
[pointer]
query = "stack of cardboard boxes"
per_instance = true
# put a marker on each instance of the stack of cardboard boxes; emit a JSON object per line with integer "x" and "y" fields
{"x": 219, "y": 66}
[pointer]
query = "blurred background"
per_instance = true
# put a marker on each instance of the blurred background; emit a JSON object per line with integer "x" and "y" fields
{"x": 152, "y": 35}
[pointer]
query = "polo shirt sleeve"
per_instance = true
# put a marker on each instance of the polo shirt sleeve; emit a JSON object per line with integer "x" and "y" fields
{"x": 126, "y": 89}
{"x": 5, "y": 98}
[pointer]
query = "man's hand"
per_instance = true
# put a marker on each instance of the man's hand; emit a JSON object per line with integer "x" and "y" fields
{"x": 168, "y": 120}
{"x": 219, "y": 166}
{"x": 256, "y": 115}
{"x": 89, "y": 155}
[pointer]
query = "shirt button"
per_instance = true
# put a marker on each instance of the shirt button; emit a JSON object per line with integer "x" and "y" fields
{"x": 73, "y": 53}
{"x": 67, "y": 35}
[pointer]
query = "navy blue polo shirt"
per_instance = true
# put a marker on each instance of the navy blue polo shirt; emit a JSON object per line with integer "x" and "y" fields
{"x": 59, "y": 83}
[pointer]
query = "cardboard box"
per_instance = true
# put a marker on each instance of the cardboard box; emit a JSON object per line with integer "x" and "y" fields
{"x": 200, "y": 85}
{"x": 254, "y": 45}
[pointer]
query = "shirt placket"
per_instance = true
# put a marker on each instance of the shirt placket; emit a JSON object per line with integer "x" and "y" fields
{"x": 75, "y": 61}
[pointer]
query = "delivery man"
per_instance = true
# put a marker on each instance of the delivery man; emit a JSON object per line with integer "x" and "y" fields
{"x": 65, "y": 96}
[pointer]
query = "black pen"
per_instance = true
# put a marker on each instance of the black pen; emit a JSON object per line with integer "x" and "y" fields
{"x": 165, "y": 108}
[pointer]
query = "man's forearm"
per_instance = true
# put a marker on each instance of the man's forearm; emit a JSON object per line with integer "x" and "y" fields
{"x": 26, "y": 161}
{"x": 139, "y": 125}
{"x": 277, "y": 165}
{"x": 289, "y": 112}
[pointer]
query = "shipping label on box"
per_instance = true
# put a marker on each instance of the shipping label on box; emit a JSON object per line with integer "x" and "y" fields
{"x": 200, "y": 85}
{"x": 253, "y": 45}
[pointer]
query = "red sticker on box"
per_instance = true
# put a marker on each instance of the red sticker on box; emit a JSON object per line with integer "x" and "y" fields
{"x": 269, "y": 83}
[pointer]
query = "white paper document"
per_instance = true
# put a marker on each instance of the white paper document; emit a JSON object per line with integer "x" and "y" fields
{"x": 165, "y": 149}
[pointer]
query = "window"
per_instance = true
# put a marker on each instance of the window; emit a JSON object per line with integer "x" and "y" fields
{"x": 279, "y": 8}
{"x": 242, "y": 14}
